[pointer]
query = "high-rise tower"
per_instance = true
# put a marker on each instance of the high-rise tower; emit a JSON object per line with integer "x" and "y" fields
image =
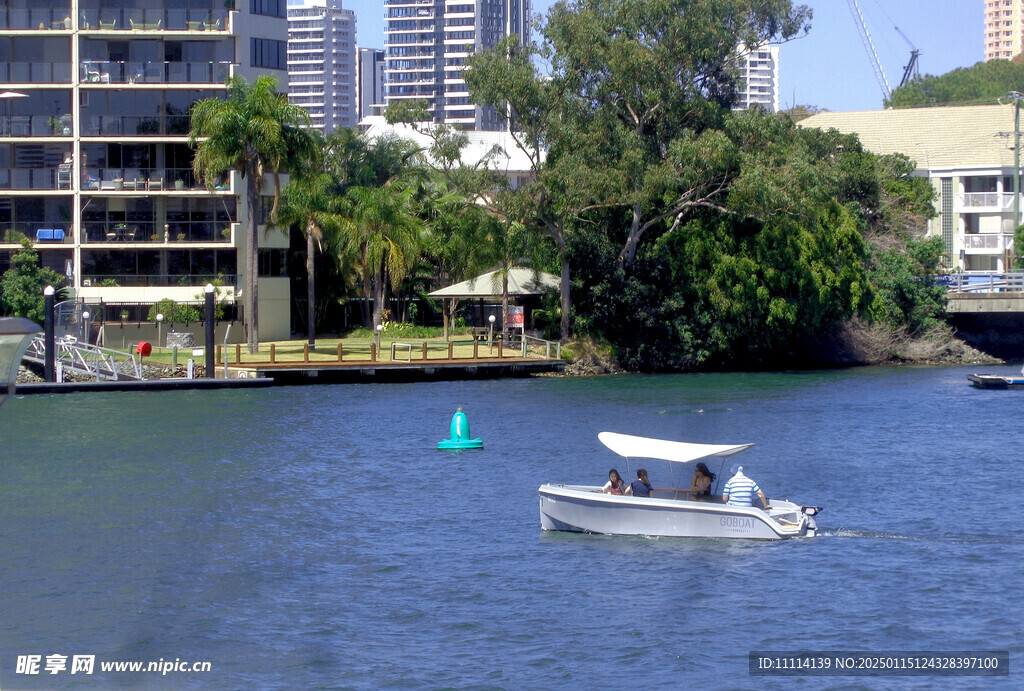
{"x": 428, "y": 42}
{"x": 1004, "y": 28}
{"x": 322, "y": 63}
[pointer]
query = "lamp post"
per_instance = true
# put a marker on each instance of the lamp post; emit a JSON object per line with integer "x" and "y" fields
{"x": 50, "y": 363}
{"x": 490, "y": 332}
{"x": 1017, "y": 97}
{"x": 211, "y": 367}
{"x": 159, "y": 330}
{"x": 376, "y": 337}
{"x": 85, "y": 326}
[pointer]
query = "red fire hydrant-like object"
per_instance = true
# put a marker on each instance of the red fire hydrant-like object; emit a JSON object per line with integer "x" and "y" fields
{"x": 144, "y": 348}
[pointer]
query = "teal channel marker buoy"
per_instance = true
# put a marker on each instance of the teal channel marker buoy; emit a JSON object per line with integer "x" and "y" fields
{"x": 460, "y": 434}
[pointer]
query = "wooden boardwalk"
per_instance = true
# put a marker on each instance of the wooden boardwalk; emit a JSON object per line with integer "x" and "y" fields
{"x": 395, "y": 361}
{"x": 390, "y": 370}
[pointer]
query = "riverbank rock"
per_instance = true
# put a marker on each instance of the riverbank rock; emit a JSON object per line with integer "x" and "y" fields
{"x": 588, "y": 358}
{"x": 875, "y": 344}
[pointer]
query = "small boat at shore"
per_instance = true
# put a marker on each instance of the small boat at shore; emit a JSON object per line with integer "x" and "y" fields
{"x": 669, "y": 512}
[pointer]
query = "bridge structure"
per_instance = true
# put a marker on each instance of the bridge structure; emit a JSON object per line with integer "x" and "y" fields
{"x": 72, "y": 355}
{"x": 987, "y": 310}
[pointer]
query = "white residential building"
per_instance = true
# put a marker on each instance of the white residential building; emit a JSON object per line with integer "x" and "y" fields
{"x": 759, "y": 72}
{"x": 95, "y": 164}
{"x": 322, "y": 63}
{"x": 496, "y": 150}
{"x": 428, "y": 42}
{"x": 967, "y": 154}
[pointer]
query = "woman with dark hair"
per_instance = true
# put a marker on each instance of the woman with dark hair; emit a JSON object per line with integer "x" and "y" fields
{"x": 615, "y": 485}
{"x": 700, "y": 485}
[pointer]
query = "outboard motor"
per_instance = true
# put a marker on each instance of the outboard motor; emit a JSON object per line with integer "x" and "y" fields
{"x": 810, "y": 512}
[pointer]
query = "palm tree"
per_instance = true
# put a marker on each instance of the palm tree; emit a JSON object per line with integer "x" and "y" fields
{"x": 313, "y": 201}
{"x": 510, "y": 244}
{"x": 309, "y": 201}
{"x": 256, "y": 132}
{"x": 382, "y": 223}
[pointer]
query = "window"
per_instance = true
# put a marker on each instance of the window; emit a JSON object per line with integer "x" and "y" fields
{"x": 270, "y": 8}
{"x": 273, "y": 262}
{"x": 266, "y": 52}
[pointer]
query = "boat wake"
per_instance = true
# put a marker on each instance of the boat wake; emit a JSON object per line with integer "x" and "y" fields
{"x": 695, "y": 411}
{"x": 871, "y": 534}
{"x": 944, "y": 538}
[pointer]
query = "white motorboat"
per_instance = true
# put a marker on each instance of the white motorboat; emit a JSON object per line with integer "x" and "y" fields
{"x": 669, "y": 512}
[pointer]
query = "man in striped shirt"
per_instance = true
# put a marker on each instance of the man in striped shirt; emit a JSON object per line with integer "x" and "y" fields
{"x": 740, "y": 490}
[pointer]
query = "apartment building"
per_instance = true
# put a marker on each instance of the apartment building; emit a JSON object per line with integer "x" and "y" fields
{"x": 428, "y": 42}
{"x": 759, "y": 72}
{"x": 322, "y": 62}
{"x": 967, "y": 154}
{"x": 1004, "y": 28}
{"x": 369, "y": 82}
{"x": 95, "y": 167}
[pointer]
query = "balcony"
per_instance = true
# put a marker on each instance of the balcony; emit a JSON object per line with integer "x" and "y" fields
{"x": 149, "y": 232}
{"x": 35, "y": 72}
{"x": 135, "y": 125}
{"x": 143, "y": 179}
{"x": 35, "y": 126}
{"x": 28, "y": 179}
{"x": 131, "y": 72}
{"x": 146, "y": 20}
{"x": 986, "y": 243}
{"x": 983, "y": 202}
{"x": 35, "y": 18}
{"x": 42, "y": 232}
{"x": 198, "y": 281}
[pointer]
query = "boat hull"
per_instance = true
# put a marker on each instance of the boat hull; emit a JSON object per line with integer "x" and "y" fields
{"x": 588, "y": 510}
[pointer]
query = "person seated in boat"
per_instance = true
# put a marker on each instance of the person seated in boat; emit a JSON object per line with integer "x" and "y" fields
{"x": 700, "y": 485}
{"x": 640, "y": 487}
{"x": 615, "y": 484}
{"x": 740, "y": 491}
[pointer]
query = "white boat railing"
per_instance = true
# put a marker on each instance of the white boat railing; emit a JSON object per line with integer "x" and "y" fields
{"x": 105, "y": 364}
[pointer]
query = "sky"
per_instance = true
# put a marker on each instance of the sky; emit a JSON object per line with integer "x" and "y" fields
{"x": 829, "y": 67}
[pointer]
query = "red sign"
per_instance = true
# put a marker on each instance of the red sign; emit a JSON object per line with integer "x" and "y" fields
{"x": 515, "y": 316}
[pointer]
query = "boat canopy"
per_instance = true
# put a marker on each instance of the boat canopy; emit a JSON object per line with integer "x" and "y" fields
{"x": 628, "y": 446}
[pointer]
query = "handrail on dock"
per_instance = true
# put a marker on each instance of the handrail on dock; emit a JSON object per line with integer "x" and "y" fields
{"x": 84, "y": 358}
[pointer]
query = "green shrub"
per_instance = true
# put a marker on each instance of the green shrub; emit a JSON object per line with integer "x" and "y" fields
{"x": 174, "y": 313}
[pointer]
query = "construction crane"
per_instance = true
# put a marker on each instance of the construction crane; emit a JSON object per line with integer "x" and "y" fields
{"x": 865, "y": 38}
{"x": 910, "y": 71}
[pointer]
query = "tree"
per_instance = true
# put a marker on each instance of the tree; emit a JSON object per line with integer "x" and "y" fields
{"x": 768, "y": 275}
{"x": 21, "y": 288}
{"x": 383, "y": 225}
{"x": 632, "y": 88}
{"x": 985, "y": 82}
{"x": 256, "y": 132}
{"x": 455, "y": 239}
{"x": 648, "y": 80}
{"x": 508, "y": 79}
{"x": 312, "y": 200}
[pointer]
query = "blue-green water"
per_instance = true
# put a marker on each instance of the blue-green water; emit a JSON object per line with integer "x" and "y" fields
{"x": 305, "y": 537}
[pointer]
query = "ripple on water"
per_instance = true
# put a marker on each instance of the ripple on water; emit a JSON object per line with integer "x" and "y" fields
{"x": 300, "y": 537}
